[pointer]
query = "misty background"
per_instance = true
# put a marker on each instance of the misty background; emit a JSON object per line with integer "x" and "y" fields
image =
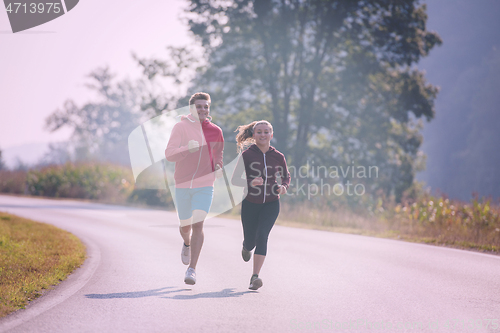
{"x": 461, "y": 142}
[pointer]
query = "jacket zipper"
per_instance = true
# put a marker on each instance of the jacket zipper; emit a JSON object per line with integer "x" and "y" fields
{"x": 199, "y": 158}
{"x": 265, "y": 182}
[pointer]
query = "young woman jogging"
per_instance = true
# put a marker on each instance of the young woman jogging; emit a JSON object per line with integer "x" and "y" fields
{"x": 263, "y": 164}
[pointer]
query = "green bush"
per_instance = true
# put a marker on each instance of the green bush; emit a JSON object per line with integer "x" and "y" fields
{"x": 12, "y": 181}
{"x": 150, "y": 197}
{"x": 103, "y": 182}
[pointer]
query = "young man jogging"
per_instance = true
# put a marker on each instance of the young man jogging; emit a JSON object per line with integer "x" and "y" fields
{"x": 196, "y": 146}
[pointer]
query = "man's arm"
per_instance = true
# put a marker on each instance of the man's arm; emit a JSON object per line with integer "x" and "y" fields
{"x": 219, "y": 151}
{"x": 176, "y": 149}
{"x": 239, "y": 171}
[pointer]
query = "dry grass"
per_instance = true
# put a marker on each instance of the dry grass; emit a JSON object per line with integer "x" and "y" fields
{"x": 438, "y": 221}
{"x": 33, "y": 257}
{"x": 303, "y": 215}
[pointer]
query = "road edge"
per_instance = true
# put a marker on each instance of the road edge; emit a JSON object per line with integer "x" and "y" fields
{"x": 58, "y": 294}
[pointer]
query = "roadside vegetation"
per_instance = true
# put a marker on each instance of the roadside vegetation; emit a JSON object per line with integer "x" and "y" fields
{"x": 105, "y": 182}
{"x": 427, "y": 219}
{"x": 13, "y": 181}
{"x": 33, "y": 257}
{"x": 101, "y": 182}
{"x": 419, "y": 217}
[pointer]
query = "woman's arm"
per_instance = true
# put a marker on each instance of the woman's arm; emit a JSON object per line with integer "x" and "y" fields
{"x": 285, "y": 177}
{"x": 239, "y": 171}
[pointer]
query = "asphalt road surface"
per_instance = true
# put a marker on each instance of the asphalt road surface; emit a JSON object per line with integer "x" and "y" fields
{"x": 314, "y": 281}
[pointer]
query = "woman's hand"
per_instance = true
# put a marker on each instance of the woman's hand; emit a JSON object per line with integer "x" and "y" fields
{"x": 282, "y": 190}
{"x": 257, "y": 181}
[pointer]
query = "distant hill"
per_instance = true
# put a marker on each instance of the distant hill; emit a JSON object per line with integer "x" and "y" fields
{"x": 28, "y": 154}
{"x": 462, "y": 143}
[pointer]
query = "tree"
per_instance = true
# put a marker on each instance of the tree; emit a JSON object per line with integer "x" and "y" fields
{"x": 336, "y": 78}
{"x": 100, "y": 128}
{"x": 2, "y": 163}
{"x": 176, "y": 71}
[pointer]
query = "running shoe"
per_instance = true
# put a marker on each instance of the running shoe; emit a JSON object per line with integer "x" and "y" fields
{"x": 186, "y": 254}
{"x": 255, "y": 282}
{"x": 190, "y": 276}
{"x": 245, "y": 254}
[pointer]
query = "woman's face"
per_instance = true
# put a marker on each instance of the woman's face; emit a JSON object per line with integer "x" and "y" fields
{"x": 262, "y": 134}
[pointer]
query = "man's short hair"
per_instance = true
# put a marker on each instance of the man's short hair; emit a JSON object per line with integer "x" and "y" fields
{"x": 199, "y": 95}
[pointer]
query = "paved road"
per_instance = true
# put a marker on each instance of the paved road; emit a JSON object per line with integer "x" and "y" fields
{"x": 319, "y": 281}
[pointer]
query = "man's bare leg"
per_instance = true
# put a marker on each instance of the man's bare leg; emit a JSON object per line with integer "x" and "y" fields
{"x": 186, "y": 231}
{"x": 197, "y": 237}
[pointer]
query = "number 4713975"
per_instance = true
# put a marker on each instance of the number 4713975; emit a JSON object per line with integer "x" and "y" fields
{"x": 33, "y": 8}
{"x": 494, "y": 323}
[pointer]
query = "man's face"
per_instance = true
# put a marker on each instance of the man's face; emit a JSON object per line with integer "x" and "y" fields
{"x": 200, "y": 109}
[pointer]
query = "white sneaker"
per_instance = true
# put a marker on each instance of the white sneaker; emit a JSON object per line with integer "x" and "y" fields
{"x": 255, "y": 282}
{"x": 190, "y": 276}
{"x": 186, "y": 254}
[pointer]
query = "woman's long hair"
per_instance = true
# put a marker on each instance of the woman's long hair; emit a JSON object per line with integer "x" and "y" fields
{"x": 244, "y": 138}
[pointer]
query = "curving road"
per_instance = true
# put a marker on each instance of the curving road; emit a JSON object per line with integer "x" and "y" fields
{"x": 319, "y": 281}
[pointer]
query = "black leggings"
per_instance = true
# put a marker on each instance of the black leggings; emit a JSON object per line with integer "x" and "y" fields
{"x": 258, "y": 220}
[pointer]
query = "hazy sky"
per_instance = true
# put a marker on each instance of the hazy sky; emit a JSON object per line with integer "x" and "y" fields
{"x": 42, "y": 67}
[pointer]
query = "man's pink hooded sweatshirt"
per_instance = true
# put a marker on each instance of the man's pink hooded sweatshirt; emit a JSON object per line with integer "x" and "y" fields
{"x": 194, "y": 170}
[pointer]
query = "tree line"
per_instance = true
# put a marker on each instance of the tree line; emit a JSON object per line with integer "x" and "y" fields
{"x": 337, "y": 79}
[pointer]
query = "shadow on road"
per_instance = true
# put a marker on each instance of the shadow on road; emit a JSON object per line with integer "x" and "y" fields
{"x": 177, "y": 226}
{"x": 135, "y": 294}
{"x": 228, "y": 292}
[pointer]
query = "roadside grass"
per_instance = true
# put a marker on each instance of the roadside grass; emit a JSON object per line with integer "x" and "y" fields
{"x": 430, "y": 220}
{"x": 33, "y": 258}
